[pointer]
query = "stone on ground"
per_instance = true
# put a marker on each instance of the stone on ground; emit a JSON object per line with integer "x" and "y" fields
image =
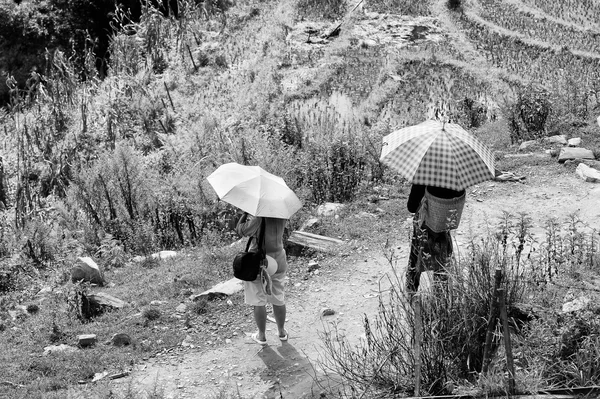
{"x": 574, "y": 153}
{"x": 588, "y": 174}
{"x": 87, "y": 270}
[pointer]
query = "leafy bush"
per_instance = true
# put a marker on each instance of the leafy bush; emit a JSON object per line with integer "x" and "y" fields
{"x": 333, "y": 171}
{"x": 327, "y": 9}
{"x": 403, "y": 7}
{"x": 454, "y": 319}
{"x": 528, "y": 115}
{"x": 454, "y": 4}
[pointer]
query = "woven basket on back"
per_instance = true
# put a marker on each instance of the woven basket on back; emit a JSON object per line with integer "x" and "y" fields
{"x": 441, "y": 214}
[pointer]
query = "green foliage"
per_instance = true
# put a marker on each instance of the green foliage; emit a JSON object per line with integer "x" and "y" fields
{"x": 151, "y": 314}
{"x": 326, "y": 9}
{"x": 333, "y": 172}
{"x": 402, "y": 7}
{"x": 528, "y": 115}
{"x": 454, "y": 4}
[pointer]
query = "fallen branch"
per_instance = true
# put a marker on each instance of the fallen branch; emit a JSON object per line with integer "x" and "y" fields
{"x": 12, "y": 384}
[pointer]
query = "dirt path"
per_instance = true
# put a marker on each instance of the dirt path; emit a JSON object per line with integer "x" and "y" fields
{"x": 243, "y": 366}
{"x": 350, "y": 286}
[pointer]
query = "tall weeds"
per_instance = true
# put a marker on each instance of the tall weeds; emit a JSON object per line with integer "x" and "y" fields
{"x": 552, "y": 349}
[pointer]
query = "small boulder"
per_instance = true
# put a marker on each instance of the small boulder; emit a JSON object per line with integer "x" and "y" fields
{"x": 95, "y": 304}
{"x": 574, "y": 142}
{"x": 87, "y": 270}
{"x": 86, "y": 340}
{"x": 329, "y": 209}
{"x": 327, "y": 312}
{"x": 574, "y": 153}
{"x": 120, "y": 339}
{"x": 558, "y": 139}
{"x": 588, "y": 174}
{"x": 310, "y": 223}
{"x": 524, "y": 145}
{"x": 576, "y": 304}
{"x": 164, "y": 255}
{"x": 313, "y": 265}
{"x": 182, "y": 308}
{"x": 48, "y": 350}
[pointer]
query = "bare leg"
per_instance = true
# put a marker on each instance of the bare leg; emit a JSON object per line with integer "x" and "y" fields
{"x": 260, "y": 317}
{"x": 280, "y": 312}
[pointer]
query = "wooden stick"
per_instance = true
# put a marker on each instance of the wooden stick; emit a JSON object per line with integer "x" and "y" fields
{"x": 192, "y": 57}
{"x": 169, "y": 95}
{"x": 493, "y": 317}
{"x": 507, "y": 345}
{"x": 417, "y": 345}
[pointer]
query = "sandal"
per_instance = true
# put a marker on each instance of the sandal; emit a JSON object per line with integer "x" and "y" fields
{"x": 254, "y": 337}
{"x": 284, "y": 338}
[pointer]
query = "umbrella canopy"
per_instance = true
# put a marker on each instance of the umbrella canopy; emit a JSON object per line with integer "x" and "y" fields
{"x": 254, "y": 190}
{"x": 438, "y": 154}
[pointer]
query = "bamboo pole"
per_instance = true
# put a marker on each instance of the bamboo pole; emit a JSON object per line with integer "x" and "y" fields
{"x": 417, "y": 343}
{"x": 192, "y": 58}
{"x": 507, "y": 345}
{"x": 169, "y": 95}
{"x": 493, "y": 317}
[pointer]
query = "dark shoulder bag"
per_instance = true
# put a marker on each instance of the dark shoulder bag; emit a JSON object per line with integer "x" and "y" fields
{"x": 246, "y": 265}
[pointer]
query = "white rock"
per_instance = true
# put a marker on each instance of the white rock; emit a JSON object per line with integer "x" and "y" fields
{"x": 588, "y": 174}
{"x": 164, "y": 255}
{"x": 574, "y": 142}
{"x": 182, "y": 308}
{"x": 59, "y": 348}
{"x": 559, "y": 138}
{"x": 99, "y": 376}
{"x": 576, "y": 304}
{"x": 574, "y": 153}
{"x": 526, "y": 144}
{"x": 313, "y": 265}
{"x": 329, "y": 208}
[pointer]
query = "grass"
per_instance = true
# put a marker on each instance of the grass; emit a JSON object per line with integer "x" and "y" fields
{"x": 180, "y": 122}
{"x": 149, "y": 319}
{"x": 455, "y": 316}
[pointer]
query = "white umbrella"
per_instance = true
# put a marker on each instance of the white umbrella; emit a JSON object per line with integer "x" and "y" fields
{"x": 254, "y": 190}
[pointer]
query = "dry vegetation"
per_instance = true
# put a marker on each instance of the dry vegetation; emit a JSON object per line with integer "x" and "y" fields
{"x": 114, "y": 166}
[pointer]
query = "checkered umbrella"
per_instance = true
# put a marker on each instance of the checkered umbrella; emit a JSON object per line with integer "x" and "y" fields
{"x": 254, "y": 190}
{"x": 438, "y": 154}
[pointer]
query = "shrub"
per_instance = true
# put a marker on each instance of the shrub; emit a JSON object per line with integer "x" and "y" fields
{"x": 403, "y": 7}
{"x": 333, "y": 171}
{"x": 327, "y": 9}
{"x": 151, "y": 314}
{"x": 528, "y": 115}
{"x": 454, "y": 5}
{"x": 454, "y": 319}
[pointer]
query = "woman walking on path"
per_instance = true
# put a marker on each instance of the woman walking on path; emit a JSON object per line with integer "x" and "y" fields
{"x": 429, "y": 249}
{"x": 254, "y": 294}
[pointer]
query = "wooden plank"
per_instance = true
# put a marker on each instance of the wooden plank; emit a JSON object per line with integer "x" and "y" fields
{"x": 493, "y": 317}
{"x": 314, "y": 241}
{"x": 507, "y": 344}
